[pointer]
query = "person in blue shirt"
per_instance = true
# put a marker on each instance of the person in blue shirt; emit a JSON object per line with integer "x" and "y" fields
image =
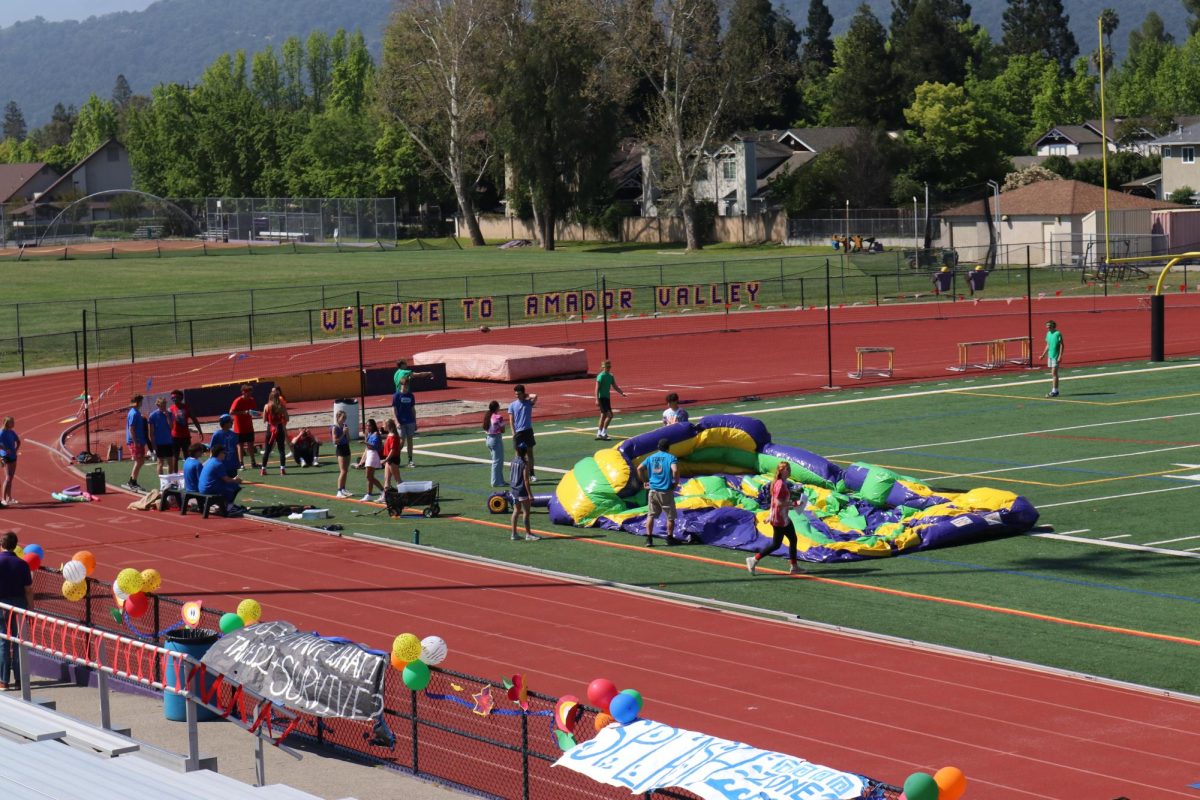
{"x": 16, "y": 589}
{"x": 226, "y": 437}
{"x": 214, "y": 478}
{"x": 192, "y": 468}
{"x": 137, "y": 437}
{"x": 520, "y": 413}
{"x": 10, "y": 444}
{"x": 162, "y": 438}
{"x": 404, "y": 406}
{"x": 660, "y": 472}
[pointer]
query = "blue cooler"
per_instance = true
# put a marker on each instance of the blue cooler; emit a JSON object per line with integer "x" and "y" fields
{"x": 194, "y": 643}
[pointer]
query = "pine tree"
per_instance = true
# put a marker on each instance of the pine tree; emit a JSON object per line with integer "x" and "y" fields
{"x": 817, "y": 56}
{"x": 861, "y": 83}
{"x": 1034, "y": 27}
{"x": 763, "y": 43}
{"x": 931, "y": 43}
{"x": 122, "y": 93}
{"x": 14, "y": 122}
{"x": 1192, "y": 7}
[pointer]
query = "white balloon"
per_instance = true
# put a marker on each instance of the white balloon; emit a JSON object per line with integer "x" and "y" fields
{"x": 433, "y": 650}
{"x": 74, "y": 571}
{"x": 120, "y": 596}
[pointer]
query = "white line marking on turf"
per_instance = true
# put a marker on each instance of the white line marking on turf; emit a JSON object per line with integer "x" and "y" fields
{"x": 1061, "y": 463}
{"x": 1120, "y": 545}
{"x": 1118, "y": 536}
{"x": 1081, "y": 530}
{"x": 474, "y": 460}
{"x": 1110, "y": 497}
{"x": 1171, "y": 541}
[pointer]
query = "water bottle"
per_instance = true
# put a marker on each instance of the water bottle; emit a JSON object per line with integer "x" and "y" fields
{"x": 416, "y": 535}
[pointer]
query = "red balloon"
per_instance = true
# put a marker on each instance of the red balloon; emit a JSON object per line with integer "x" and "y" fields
{"x": 136, "y": 604}
{"x": 601, "y": 692}
{"x": 33, "y": 560}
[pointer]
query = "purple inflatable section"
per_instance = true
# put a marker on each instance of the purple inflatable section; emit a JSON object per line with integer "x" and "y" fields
{"x": 807, "y": 459}
{"x": 643, "y": 444}
{"x": 755, "y": 427}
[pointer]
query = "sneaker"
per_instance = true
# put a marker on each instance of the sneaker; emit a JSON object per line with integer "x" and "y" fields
{"x": 514, "y": 538}
{"x": 133, "y": 486}
{"x": 262, "y": 471}
{"x": 1052, "y": 394}
{"x": 412, "y": 465}
{"x": 366, "y": 498}
{"x": 604, "y": 438}
{"x": 341, "y": 493}
{"x": 533, "y": 478}
{"x": 672, "y": 541}
{"x": 316, "y": 463}
{"x": 649, "y": 541}
{"x": 751, "y": 564}
{"x": 282, "y": 470}
{"x": 529, "y": 537}
{"x": 599, "y": 437}
{"x": 303, "y": 463}
{"x": 796, "y": 570}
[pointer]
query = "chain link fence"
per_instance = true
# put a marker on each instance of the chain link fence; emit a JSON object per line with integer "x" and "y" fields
{"x": 300, "y": 219}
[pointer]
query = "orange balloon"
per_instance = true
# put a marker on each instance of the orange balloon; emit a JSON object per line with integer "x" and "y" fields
{"x": 951, "y": 783}
{"x": 602, "y": 721}
{"x": 87, "y": 559}
{"x": 397, "y": 663}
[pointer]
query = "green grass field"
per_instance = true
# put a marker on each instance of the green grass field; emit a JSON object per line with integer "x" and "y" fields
{"x": 142, "y": 307}
{"x": 1106, "y": 585}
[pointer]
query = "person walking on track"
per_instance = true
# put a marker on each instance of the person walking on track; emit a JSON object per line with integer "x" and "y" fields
{"x": 606, "y": 383}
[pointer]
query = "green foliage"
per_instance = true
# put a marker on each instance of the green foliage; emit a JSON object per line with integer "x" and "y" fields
{"x": 706, "y": 220}
{"x": 1182, "y": 195}
{"x": 930, "y": 43}
{"x": 763, "y": 42}
{"x": 861, "y": 86}
{"x": 97, "y": 123}
{"x": 953, "y": 143}
{"x": 816, "y": 57}
{"x": 1039, "y": 27}
{"x": 14, "y": 122}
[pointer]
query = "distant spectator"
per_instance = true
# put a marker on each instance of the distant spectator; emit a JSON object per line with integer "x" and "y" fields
{"x": 16, "y": 589}
{"x": 137, "y": 437}
{"x": 306, "y": 449}
{"x": 275, "y": 415}
{"x": 215, "y": 479}
{"x": 340, "y": 433}
{"x": 493, "y": 428}
{"x": 192, "y": 467}
{"x": 606, "y": 383}
{"x": 673, "y": 413}
{"x": 520, "y": 413}
{"x": 10, "y": 446}
{"x": 229, "y": 442}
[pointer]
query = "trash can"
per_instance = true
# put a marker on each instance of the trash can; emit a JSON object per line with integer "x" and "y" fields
{"x": 350, "y": 406}
{"x": 194, "y": 643}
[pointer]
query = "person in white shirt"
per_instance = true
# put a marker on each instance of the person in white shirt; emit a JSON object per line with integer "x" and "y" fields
{"x": 673, "y": 413}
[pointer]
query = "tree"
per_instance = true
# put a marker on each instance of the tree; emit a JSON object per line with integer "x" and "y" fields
{"x": 97, "y": 123}
{"x": 266, "y": 79}
{"x": 953, "y": 142}
{"x": 1040, "y": 27}
{"x": 1109, "y": 21}
{"x": 121, "y": 93}
{"x": 1131, "y": 87}
{"x": 353, "y": 75}
{"x": 14, "y": 122}
{"x": 931, "y": 42}
{"x": 1193, "y": 9}
{"x": 861, "y": 84}
{"x": 816, "y": 57}
{"x": 1060, "y": 99}
{"x": 557, "y": 109}
{"x": 1034, "y": 173}
{"x": 764, "y": 43}
{"x": 318, "y": 64}
{"x": 1008, "y": 99}
{"x": 432, "y": 85}
{"x": 1183, "y": 195}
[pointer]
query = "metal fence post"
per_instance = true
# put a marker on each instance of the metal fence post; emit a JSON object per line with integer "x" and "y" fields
{"x": 310, "y": 326}
{"x": 416, "y": 767}
{"x": 132, "y": 352}
{"x": 250, "y": 331}
{"x": 524, "y": 756}
{"x": 21, "y": 350}
{"x": 191, "y": 340}
{"x": 75, "y": 336}
{"x": 876, "y": 279}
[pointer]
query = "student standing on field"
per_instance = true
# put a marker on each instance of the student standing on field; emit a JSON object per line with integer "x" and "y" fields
{"x": 180, "y": 433}
{"x": 404, "y": 407}
{"x": 403, "y": 376}
{"x": 275, "y": 415}
{"x": 673, "y": 413}
{"x": 520, "y": 413}
{"x": 137, "y": 437}
{"x": 10, "y": 445}
{"x": 493, "y": 429}
{"x": 522, "y": 496}
{"x": 243, "y": 424}
{"x": 340, "y": 433}
{"x": 659, "y": 471}
{"x": 1053, "y": 354}
{"x": 606, "y": 382}
{"x": 782, "y": 526}
{"x": 160, "y": 433}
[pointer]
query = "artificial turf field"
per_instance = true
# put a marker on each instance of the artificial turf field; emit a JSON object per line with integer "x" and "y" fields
{"x": 1106, "y": 585}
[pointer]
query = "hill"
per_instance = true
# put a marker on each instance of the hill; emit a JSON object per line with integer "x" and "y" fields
{"x": 43, "y": 63}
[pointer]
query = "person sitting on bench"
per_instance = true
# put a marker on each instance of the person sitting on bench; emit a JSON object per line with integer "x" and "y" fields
{"x": 306, "y": 449}
{"x": 192, "y": 467}
{"x": 215, "y": 480}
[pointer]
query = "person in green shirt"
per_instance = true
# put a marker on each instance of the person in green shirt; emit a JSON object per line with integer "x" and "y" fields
{"x": 404, "y": 375}
{"x": 605, "y": 383}
{"x": 1053, "y": 355}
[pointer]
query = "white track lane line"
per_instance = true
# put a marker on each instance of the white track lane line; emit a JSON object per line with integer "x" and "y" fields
{"x": 1119, "y": 545}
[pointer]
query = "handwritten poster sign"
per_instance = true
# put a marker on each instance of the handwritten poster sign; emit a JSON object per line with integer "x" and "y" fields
{"x": 321, "y": 676}
{"x": 646, "y": 755}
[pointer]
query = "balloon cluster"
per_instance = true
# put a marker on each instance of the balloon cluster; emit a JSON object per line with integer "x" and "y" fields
{"x": 413, "y": 657}
{"x": 615, "y": 706}
{"x": 130, "y": 588}
{"x": 948, "y": 783}
{"x": 248, "y": 612}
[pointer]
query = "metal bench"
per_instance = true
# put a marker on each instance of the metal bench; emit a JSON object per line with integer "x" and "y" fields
{"x": 38, "y": 723}
{"x": 204, "y": 501}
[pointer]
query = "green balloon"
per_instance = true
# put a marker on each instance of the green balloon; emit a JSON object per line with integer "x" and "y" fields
{"x": 230, "y": 622}
{"x": 416, "y": 675}
{"x": 921, "y": 786}
{"x": 636, "y": 695}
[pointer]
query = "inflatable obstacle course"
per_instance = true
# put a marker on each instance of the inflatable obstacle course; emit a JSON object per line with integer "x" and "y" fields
{"x": 726, "y": 463}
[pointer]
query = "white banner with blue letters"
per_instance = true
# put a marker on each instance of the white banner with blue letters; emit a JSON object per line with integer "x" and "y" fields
{"x": 645, "y": 755}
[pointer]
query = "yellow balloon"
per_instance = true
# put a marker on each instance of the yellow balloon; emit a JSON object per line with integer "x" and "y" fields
{"x": 74, "y": 590}
{"x": 20, "y": 551}
{"x": 406, "y": 648}
{"x": 129, "y": 580}
{"x": 250, "y": 611}
{"x": 151, "y": 580}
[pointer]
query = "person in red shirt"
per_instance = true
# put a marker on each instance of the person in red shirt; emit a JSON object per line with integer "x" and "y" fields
{"x": 275, "y": 415}
{"x": 180, "y": 414}
{"x": 243, "y": 424}
{"x": 391, "y": 454}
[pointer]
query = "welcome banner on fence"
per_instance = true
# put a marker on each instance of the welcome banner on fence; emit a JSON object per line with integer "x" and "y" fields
{"x": 645, "y": 755}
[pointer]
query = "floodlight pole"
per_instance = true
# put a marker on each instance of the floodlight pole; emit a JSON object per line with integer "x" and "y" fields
{"x": 604, "y": 311}
{"x": 362, "y": 369}
{"x": 87, "y": 397}
{"x": 828, "y": 329}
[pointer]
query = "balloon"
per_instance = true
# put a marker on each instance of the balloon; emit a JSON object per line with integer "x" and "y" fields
{"x": 136, "y": 604}
{"x": 636, "y": 695}
{"x": 250, "y": 611}
{"x": 118, "y": 595}
{"x": 74, "y": 572}
{"x": 951, "y": 781}
{"x": 230, "y": 622}
{"x": 129, "y": 581}
{"x": 416, "y": 675}
{"x": 36, "y": 549}
{"x": 602, "y": 721}
{"x": 600, "y": 693}
{"x": 151, "y": 580}
{"x": 624, "y": 708}
{"x": 74, "y": 590}
{"x": 86, "y": 558}
{"x": 33, "y": 560}
{"x": 191, "y": 612}
{"x": 433, "y": 650}
{"x": 920, "y": 786}
{"x": 407, "y": 647}
{"x": 397, "y": 663}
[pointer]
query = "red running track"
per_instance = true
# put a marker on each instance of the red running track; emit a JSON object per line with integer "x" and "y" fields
{"x": 1016, "y": 732}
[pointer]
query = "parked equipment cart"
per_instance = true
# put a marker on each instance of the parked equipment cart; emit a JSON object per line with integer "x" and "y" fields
{"x": 413, "y": 494}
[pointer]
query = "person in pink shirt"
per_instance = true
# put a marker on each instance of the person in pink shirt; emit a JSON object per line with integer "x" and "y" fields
{"x": 781, "y": 524}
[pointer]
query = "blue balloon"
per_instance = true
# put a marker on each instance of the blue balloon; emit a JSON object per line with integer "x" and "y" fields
{"x": 624, "y": 708}
{"x": 35, "y": 548}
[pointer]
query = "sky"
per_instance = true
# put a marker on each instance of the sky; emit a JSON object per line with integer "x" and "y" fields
{"x": 54, "y": 10}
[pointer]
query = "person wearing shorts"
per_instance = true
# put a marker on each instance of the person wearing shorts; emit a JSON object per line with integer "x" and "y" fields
{"x": 137, "y": 437}
{"x": 520, "y": 414}
{"x": 243, "y": 425}
{"x": 160, "y": 436}
{"x": 180, "y": 433}
{"x": 522, "y": 496}
{"x": 1053, "y": 354}
{"x": 10, "y": 445}
{"x": 659, "y": 471}
{"x": 404, "y": 406}
{"x": 606, "y": 383}
{"x": 373, "y": 460}
{"x": 391, "y": 454}
{"x": 340, "y": 434}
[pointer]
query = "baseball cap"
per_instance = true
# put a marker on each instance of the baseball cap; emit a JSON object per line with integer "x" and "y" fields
{"x": 225, "y": 418}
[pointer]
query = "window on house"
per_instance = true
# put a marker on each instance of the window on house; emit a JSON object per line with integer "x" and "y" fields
{"x": 728, "y": 170}
{"x": 1188, "y": 155}
{"x": 1058, "y": 149}
{"x": 1166, "y": 151}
